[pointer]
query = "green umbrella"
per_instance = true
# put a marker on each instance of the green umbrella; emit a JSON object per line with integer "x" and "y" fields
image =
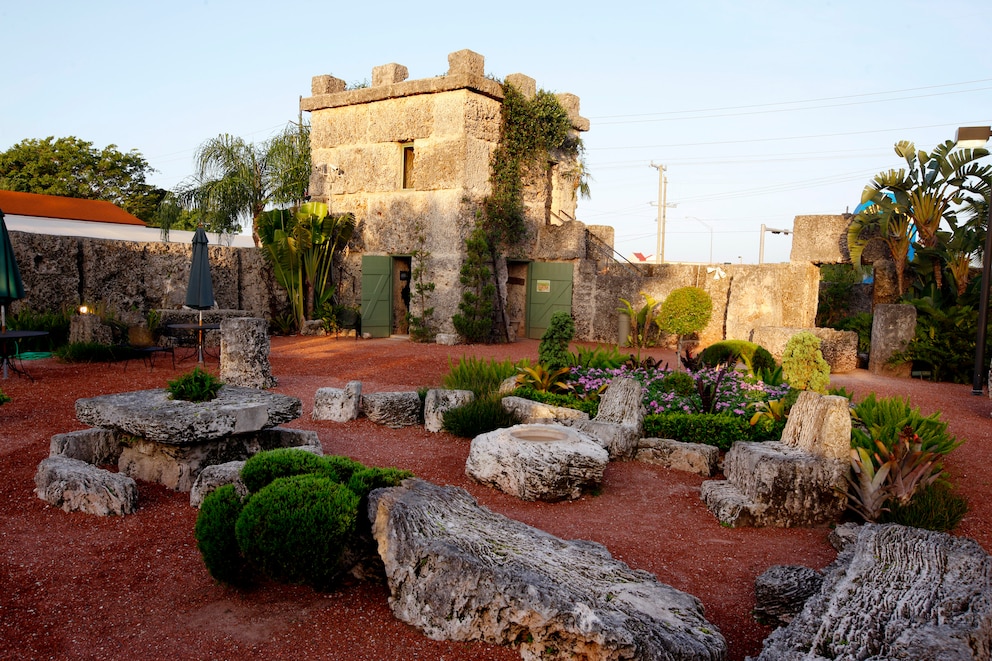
{"x": 200, "y": 291}
{"x": 11, "y": 287}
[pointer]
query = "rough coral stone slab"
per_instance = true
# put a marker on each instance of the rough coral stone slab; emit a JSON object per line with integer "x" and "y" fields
{"x": 458, "y": 571}
{"x": 678, "y": 455}
{"x": 76, "y": 486}
{"x": 178, "y": 466}
{"x": 537, "y": 462}
{"x": 338, "y": 404}
{"x": 94, "y": 446}
{"x": 393, "y": 409}
{"x": 438, "y": 402}
{"x": 151, "y": 415}
{"x": 529, "y": 411}
{"x": 895, "y": 593}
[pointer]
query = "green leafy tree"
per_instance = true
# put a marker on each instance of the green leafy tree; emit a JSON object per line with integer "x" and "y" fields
{"x": 70, "y": 167}
{"x": 926, "y": 195}
{"x": 685, "y": 311}
{"x": 474, "y": 322}
{"x": 301, "y": 248}
{"x": 237, "y": 179}
{"x": 803, "y": 365}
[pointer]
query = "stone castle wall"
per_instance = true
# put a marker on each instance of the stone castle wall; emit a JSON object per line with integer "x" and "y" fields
{"x": 131, "y": 277}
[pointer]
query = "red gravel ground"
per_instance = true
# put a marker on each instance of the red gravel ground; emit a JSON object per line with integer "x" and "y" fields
{"x": 76, "y": 586}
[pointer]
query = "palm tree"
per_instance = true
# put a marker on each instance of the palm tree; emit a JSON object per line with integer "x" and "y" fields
{"x": 236, "y": 179}
{"x": 929, "y": 192}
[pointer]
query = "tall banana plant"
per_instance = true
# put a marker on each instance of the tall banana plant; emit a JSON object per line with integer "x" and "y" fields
{"x": 301, "y": 247}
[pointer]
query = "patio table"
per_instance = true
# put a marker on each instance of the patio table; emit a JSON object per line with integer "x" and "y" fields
{"x": 200, "y": 330}
{"x": 9, "y": 339}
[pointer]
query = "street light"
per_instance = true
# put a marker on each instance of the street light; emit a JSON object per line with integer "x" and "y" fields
{"x": 973, "y": 137}
{"x": 761, "y": 244}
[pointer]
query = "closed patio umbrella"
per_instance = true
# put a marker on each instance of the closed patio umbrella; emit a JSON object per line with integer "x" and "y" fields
{"x": 11, "y": 287}
{"x": 200, "y": 291}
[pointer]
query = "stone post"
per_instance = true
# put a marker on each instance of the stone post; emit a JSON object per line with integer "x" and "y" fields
{"x": 891, "y": 330}
{"x": 244, "y": 353}
{"x": 89, "y": 328}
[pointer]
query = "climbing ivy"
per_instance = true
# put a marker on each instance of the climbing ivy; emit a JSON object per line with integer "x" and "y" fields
{"x": 530, "y": 130}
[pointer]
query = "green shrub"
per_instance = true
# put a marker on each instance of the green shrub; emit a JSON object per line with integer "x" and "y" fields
{"x": 481, "y": 376}
{"x": 935, "y": 507}
{"x": 4, "y": 398}
{"x": 861, "y": 324}
{"x": 553, "y": 350}
{"x": 366, "y": 479}
{"x": 215, "y": 536}
{"x": 55, "y": 323}
{"x": 803, "y": 365}
{"x": 687, "y": 310}
{"x": 88, "y": 352}
{"x": 721, "y": 429}
{"x": 754, "y": 356}
{"x": 296, "y": 529}
{"x": 474, "y": 321}
{"x": 479, "y": 416}
{"x": 262, "y": 468}
{"x": 679, "y": 383}
{"x": 884, "y": 419}
{"x": 559, "y": 399}
{"x": 196, "y": 386}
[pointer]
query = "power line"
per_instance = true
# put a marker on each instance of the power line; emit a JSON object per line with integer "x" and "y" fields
{"x": 749, "y": 108}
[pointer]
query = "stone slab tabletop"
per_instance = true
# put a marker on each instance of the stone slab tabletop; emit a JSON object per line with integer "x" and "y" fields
{"x": 151, "y": 415}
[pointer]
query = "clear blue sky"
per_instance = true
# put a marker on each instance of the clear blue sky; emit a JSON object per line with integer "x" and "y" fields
{"x": 761, "y": 110}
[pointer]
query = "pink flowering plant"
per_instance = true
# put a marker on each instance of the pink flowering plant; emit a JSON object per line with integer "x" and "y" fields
{"x": 732, "y": 392}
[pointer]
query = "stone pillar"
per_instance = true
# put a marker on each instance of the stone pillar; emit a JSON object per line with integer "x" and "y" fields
{"x": 891, "y": 330}
{"x": 244, "y": 353}
{"x": 886, "y": 290}
{"x": 89, "y": 328}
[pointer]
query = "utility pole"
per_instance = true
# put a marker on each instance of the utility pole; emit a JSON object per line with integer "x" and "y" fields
{"x": 662, "y": 205}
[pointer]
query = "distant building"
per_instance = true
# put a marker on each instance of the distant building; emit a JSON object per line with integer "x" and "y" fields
{"x": 70, "y": 216}
{"x": 403, "y": 152}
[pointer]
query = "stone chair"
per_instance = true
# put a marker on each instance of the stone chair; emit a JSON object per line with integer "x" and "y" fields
{"x": 619, "y": 424}
{"x": 798, "y": 481}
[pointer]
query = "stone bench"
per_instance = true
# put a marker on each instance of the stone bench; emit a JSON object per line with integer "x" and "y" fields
{"x": 798, "y": 481}
{"x": 393, "y": 409}
{"x": 77, "y": 486}
{"x": 619, "y": 423}
{"x": 458, "y": 571}
{"x": 695, "y": 458}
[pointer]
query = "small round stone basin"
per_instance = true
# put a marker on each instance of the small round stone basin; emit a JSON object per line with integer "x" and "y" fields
{"x": 538, "y": 433}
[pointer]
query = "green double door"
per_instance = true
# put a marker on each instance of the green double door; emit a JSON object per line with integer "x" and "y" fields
{"x": 549, "y": 290}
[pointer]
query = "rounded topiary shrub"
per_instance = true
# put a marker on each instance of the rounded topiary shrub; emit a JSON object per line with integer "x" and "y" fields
{"x": 803, "y": 366}
{"x": 754, "y": 356}
{"x": 368, "y": 478}
{"x": 296, "y": 529}
{"x": 215, "y": 536}
{"x": 679, "y": 383}
{"x": 685, "y": 311}
{"x": 262, "y": 468}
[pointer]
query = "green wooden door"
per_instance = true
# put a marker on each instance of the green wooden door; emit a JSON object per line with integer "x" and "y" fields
{"x": 377, "y": 295}
{"x": 549, "y": 290}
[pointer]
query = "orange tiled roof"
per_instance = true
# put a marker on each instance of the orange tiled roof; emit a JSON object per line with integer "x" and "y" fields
{"x": 66, "y": 208}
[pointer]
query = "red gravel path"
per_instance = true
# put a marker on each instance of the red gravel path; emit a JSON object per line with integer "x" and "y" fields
{"x": 75, "y": 586}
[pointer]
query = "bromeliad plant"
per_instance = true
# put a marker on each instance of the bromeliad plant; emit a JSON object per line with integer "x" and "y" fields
{"x": 542, "y": 379}
{"x": 890, "y": 475}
